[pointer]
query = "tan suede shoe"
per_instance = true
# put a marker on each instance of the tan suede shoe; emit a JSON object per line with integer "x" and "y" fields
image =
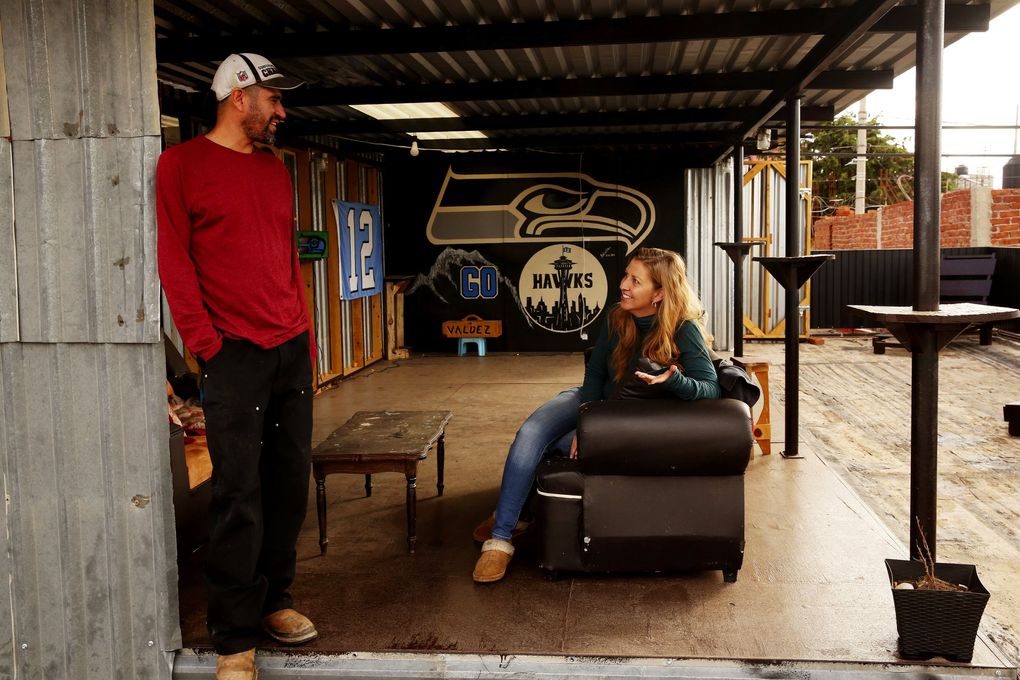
{"x": 289, "y": 627}
{"x": 240, "y": 666}
{"x": 492, "y": 564}
{"x": 483, "y": 531}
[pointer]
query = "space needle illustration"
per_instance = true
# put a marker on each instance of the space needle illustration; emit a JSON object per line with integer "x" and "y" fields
{"x": 563, "y": 265}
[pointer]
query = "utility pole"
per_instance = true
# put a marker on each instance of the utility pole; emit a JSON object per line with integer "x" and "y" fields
{"x": 862, "y": 149}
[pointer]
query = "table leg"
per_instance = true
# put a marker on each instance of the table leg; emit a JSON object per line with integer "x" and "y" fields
{"x": 412, "y": 483}
{"x": 368, "y": 485}
{"x": 441, "y": 461}
{"x": 320, "y": 503}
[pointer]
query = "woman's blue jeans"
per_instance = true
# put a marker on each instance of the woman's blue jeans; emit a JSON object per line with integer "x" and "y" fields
{"x": 547, "y": 431}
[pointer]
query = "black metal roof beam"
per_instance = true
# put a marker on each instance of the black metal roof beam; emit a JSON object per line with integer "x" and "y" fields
{"x": 537, "y": 121}
{"x": 860, "y": 18}
{"x": 508, "y": 36}
{"x": 581, "y": 141}
{"x": 582, "y": 87}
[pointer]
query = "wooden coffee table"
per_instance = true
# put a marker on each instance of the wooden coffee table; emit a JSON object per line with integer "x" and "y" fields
{"x": 380, "y": 441}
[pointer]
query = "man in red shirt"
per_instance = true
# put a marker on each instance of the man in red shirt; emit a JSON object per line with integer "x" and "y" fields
{"x": 229, "y": 268}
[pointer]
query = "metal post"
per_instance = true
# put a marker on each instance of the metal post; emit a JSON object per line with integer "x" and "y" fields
{"x": 793, "y": 249}
{"x": 738, "y": 236}
{"x": 924, "y": 357}
{"x": 793, "y": 242}
{"x": 927, "y": 151}
{"x": 924, "y": 377}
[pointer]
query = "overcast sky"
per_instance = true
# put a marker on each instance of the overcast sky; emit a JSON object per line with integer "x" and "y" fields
{"x": 981, "y": 86}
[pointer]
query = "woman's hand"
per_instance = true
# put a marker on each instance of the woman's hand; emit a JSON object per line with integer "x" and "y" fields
{"x": 573, "y": 448}
{"x": 657, "y": 379}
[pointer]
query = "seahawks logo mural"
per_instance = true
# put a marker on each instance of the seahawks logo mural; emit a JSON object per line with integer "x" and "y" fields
{"x": 536, "y": 207}
{"x": 563, "y": 288}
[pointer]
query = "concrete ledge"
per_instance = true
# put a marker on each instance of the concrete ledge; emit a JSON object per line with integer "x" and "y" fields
{"x": 191, "y": 666}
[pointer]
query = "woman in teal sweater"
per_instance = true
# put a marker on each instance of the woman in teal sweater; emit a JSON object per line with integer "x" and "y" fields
{"x": 658, "y": 319}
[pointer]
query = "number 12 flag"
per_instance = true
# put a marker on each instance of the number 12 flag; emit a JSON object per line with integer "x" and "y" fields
{"x": 360, "y": 238}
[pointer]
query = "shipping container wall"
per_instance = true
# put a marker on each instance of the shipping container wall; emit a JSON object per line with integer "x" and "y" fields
{"x": 87, "y": 554}
{"x": 709, "y": 221}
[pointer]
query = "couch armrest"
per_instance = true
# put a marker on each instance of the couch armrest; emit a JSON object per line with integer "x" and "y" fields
{"x": 664, "y": 437}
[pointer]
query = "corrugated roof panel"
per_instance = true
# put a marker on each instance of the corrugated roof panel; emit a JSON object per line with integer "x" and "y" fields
{"x": 86, "y": 244}
{"x": 876, "y": 50}
{"x": 467, "y": 65}
{"x": 59, "y": 88}
{"x": 708, "y": 56}
{"x": 87, "y": 479}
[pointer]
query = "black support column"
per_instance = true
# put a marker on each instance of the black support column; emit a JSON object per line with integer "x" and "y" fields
{"x": 793, "y": 249}
{"x": 792, "y": 272}
{"x": 738, "y": 237}
{"x": 737, "y": 249}
{"x": 924, "y": 403}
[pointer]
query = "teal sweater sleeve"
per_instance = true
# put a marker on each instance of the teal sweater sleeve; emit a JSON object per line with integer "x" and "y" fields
{"x": 698, "y": 380}
{"x": 596, "y": 373}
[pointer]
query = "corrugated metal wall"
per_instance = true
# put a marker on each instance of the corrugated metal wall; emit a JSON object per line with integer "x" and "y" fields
{"x": 859, "y": 277}
{"x": 885, "y": 277}
{"x": 85, "y": 130}
{"x": 8, "y": 278}
{"x": 87, "y": 475}
{"x": 88, "y": 535}
{"x": 709, "y": 206}
{"x": 1006, "y": 281}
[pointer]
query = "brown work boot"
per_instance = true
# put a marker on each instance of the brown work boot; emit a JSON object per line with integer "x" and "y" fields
{"x": 240, "y": 666}
{"x": 492, "y": 564}
{"x": 289, "y": 627}
{"x": 483, "y": 531}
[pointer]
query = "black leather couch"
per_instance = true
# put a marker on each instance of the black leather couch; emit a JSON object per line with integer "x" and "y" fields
{"x": 658, "y": 485}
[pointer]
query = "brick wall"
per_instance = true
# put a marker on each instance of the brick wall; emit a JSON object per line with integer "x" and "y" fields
{"x": 1005, "y": 217}
{"x": 955, "y": 219}
{"x": 846, "y": 231}
{"x": 893, "y": 225}
{"x": 897, "y": 225}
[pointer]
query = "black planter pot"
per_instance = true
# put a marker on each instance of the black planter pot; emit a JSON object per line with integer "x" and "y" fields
{"x": 937, "y": 622}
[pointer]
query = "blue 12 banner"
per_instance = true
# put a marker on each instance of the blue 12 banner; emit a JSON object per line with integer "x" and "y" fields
{"x": 360, "y": 240}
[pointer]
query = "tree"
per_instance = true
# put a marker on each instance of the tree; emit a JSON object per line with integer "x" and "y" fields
{"x": 888, "y": 179}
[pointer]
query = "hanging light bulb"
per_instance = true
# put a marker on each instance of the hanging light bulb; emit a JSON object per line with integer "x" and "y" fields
{"x": 414, "y": 148}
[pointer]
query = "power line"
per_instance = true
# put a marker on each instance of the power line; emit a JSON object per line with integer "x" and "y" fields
{"x": 853, "y": 127}
{"x": 905, "y": 127}
{"x": 883, "y": 154}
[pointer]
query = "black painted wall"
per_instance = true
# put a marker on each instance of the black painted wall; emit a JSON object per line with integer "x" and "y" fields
{"x": 482, "y": 234}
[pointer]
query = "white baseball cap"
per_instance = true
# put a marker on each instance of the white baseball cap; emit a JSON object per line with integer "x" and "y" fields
{"x": 239, "y": 71}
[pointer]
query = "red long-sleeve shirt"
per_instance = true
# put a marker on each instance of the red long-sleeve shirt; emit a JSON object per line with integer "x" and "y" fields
{"x": 226, "y": 245}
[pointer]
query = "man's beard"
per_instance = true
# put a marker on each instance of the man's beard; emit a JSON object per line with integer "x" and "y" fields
{"x": 257, "y": 128}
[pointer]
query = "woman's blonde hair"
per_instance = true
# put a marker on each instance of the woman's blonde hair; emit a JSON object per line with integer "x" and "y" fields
{"x": 679, "y": 305}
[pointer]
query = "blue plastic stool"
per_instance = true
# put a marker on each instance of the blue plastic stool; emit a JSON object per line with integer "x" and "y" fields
{"x": 462, "y": 346}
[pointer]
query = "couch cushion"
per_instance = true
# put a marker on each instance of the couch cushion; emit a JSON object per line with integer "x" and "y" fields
{"x": 664, "y": 437}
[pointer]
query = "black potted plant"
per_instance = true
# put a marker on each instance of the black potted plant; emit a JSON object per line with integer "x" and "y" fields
{"x": 938, "y": 607}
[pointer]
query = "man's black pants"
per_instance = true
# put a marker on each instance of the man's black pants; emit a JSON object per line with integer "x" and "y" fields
{"x": 258, "y": 413}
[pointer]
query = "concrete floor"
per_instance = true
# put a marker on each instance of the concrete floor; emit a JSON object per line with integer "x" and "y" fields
{"x": 813, "y": 586}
